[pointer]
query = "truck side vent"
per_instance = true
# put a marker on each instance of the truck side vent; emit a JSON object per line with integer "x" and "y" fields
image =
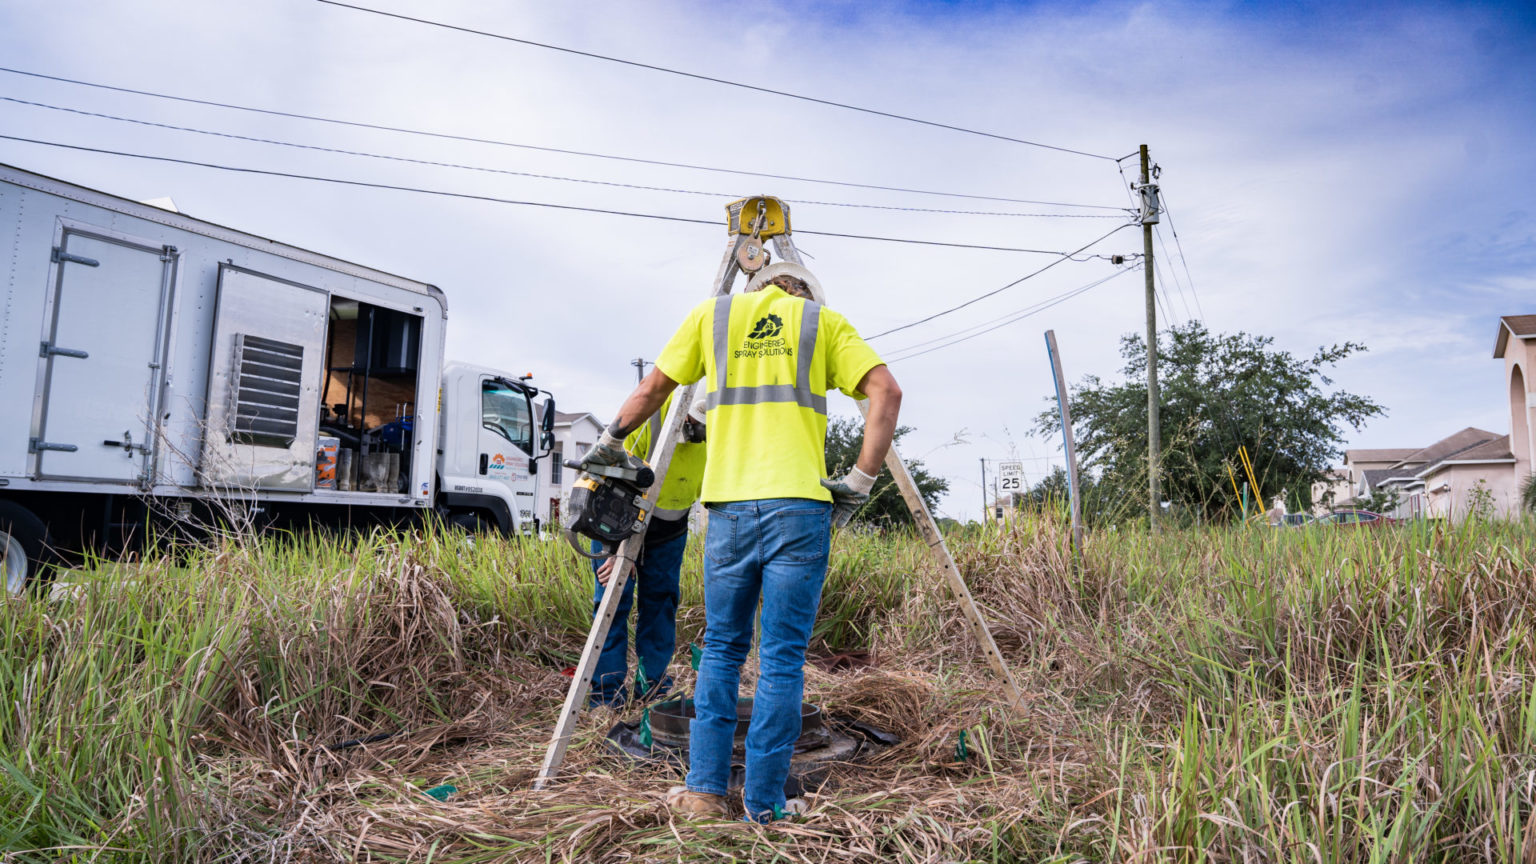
{"x": 268, "y": 379}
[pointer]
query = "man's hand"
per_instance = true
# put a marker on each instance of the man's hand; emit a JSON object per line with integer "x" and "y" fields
{"x": 605, "y": 571}
{"x": 848, "y": 495}
{"x": 608, "y": 450}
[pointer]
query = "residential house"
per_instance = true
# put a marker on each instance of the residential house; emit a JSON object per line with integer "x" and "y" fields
{"x": 575, "y": 433}
{"x": 1473, "y": 471}
{"x": 1449, "y": 478}
{"x": 1327, "y": 494}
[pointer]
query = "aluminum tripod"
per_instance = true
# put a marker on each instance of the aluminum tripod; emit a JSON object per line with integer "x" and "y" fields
{"x": 769, "y": 220}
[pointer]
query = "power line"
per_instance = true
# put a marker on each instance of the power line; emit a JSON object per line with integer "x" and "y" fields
{"x": 447, "y": 136}
{"x": 1177, "y": 283}
{"x": 1037, "y": 309}
{"x": 698, "y": 77}
{"x": 509, "y": 172}
{"x": 1064, "y": 257}
{"x": 496, "y": 200}
{"x": 1183, "y": 260}
{"x": 990, "y": 321}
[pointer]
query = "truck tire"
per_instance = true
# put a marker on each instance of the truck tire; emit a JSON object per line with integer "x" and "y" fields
{"x": 472, "y": 522}
{"x": 23, "y": 547}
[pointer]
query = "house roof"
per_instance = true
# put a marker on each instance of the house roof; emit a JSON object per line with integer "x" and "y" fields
{"x": 1519, "y": 326}
{"x": 563, "y": 418}
{"x": 1376, "y": 476}
{"x": 1494, "y": 450}
{"x": 1442, "y": 449}
{"x": 1391, "y": 454}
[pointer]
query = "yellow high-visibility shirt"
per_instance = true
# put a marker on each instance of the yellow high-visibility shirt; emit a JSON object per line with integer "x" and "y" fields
{"x": 680, "y": 488}
{"x": 768, "y": 360}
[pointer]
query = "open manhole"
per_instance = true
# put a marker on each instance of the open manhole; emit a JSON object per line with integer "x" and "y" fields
{"x": 824, "y": 740}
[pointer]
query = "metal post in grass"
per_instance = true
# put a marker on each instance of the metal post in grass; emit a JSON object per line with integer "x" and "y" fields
{"x": 1073, "y": 498}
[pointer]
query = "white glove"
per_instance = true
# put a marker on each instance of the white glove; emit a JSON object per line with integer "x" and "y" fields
{"x": 848, "y": 494}
{"x": 608, "y": 450}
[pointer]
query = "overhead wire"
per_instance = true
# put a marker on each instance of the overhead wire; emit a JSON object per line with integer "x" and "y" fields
{"x": 711, "y": 79}
{"x": 448, "y": 136}
{"x": 1178, "y": 284}
{"x": 985, "y": 323}
{"x": 497, "y": 200}
{"x": 1182, "y": 259}
{"x": 1013, "y": 318}
{"x": 1066, "y": 256}
{"x": 529, "y": 174}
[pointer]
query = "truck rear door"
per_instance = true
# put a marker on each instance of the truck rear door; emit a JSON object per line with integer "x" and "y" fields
{"x": 102, "y": 357}
{"x": 264, "y": 383}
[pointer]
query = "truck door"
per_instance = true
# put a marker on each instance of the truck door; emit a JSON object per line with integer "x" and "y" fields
{"x": 506, "y": 442}
{"x": 264, "y": 383}
{"x": 101, "y": 357}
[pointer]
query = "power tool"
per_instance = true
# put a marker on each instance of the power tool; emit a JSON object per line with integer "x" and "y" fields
{"x": 608, "y": 503}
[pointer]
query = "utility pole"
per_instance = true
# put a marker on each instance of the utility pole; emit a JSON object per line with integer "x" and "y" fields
{"x": 985, "y": 507}
{"x": 640, "y": 363}
{"x": 1149, "y": 217}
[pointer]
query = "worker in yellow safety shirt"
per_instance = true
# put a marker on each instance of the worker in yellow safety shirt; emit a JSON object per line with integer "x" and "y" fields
{"x": 657, "y": 569}
{"x": 768, "y": 358}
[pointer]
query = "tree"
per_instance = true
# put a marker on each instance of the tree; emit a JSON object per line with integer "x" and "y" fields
{"x": 845, "y": 435}
{"x": 1382, "y": 499}
{"x": 1219, "y": 392}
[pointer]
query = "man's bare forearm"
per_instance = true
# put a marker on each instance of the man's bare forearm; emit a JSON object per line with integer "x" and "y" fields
{"x": 880, "y": 423}
{"x": 642, "y": 403}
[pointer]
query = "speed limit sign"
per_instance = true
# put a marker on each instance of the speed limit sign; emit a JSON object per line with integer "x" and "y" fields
{"x": 1010, "y": 477}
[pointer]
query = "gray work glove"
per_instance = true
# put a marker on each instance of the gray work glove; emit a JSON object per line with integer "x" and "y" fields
{"x": 607, "y": 451}
{"x": 848, "y": 494}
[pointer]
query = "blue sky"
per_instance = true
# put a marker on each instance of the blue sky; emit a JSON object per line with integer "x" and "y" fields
{"x": 1335, "y": 171}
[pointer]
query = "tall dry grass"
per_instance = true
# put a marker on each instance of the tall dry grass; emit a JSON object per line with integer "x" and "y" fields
{"x": 1253, "y": 695}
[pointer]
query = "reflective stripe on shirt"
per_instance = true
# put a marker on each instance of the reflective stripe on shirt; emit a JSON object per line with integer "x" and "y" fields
{"x": 799, "y": 393}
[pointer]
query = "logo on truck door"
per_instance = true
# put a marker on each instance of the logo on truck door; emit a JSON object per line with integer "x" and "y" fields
{"x": 498, "y": 462}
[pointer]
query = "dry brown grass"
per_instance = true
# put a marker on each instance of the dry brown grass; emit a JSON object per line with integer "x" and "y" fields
{"x": 1207, "y": 696}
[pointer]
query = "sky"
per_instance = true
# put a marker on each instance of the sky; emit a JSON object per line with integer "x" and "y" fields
{"x": 1330, "y": 174}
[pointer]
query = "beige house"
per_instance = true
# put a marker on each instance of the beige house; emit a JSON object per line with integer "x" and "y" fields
{"x": 575, "y": 433}
{"x": 1471, "y": 472}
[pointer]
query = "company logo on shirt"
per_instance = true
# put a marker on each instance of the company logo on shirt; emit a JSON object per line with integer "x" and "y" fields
{"x": 767, "y": 327}
{"x": 765, "y": 341}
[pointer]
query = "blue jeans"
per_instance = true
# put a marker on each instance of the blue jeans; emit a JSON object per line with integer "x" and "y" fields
{"x": 655, "y": 623}
{"x": 775, "y": 549}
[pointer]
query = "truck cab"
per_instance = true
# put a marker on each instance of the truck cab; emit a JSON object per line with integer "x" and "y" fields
{"x": 490, "y": 446}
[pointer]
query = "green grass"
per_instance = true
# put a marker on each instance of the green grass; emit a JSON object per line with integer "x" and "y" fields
{"x": 1196, "y": 695}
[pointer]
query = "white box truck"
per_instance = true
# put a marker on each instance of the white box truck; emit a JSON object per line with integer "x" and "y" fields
{"x": 156, "y": 365}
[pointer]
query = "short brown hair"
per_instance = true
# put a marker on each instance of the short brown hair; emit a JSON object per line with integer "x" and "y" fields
{"x": 791, "y": 284}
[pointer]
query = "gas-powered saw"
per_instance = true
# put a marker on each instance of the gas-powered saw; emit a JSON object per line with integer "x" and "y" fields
{"x": 608, "y": 504}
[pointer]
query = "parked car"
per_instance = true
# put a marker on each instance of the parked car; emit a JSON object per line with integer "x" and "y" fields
{"x": 1295, "y": 520}
{"x": 1355, "y": 519}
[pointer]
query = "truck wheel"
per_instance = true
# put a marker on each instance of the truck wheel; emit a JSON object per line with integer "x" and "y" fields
{"x": 23, "y": 546}
{"x": 472, "y": 522}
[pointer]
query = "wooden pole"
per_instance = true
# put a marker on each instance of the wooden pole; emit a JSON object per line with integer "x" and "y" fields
{"x": 1154, "y": 434}
{"x": 986, "y": 509}
{"x": 1067, "y": 442}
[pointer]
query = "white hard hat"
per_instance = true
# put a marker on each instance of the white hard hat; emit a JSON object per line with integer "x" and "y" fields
{"x": 696, "y": 411}
{"x": 787, "y": 268}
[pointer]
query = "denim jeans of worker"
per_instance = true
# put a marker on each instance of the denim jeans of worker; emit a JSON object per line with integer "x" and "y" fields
{"x": 775, "y": 549}
{"x": 655, "y": 623}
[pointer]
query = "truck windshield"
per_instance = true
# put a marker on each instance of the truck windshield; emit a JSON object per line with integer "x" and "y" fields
{"x": 505, "y": 412}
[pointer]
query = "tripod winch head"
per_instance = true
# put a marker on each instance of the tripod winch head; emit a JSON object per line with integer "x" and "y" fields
{"x": 608, "y": 504}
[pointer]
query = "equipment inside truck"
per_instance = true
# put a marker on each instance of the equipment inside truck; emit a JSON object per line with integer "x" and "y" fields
{"x": 368, "y": 400}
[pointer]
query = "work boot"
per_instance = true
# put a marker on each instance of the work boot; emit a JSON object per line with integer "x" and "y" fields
{"x": 695, "y": 805}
